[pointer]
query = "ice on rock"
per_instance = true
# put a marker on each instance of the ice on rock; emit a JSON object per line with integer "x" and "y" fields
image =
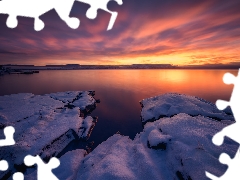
{"x": 43, "y": 125}
{"x": 170, "y": 104}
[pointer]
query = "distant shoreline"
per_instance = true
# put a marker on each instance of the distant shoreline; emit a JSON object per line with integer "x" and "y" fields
{"x": 17, "y": 68}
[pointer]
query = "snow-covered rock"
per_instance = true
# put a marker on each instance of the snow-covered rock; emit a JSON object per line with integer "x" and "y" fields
{"x": 188, "y": 154}
{"x": 175, "y": 147}
{"x": 158, "y": 140}
{"x": 69, "y": 164}
{"x": 81, "y": 99}
{"x": 17, "y": 107}
{"x": 168, "y": 105}
{"x": 65, "y": 97}
{"x": 86, "y": 126}
{"x": 44, "y": 125}
{"x": 84, "y": 100}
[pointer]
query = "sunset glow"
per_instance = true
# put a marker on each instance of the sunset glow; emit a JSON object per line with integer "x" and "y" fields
{"x": 157, "y": 31}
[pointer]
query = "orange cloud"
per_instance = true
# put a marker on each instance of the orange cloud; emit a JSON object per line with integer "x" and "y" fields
{"x": 188, "y": 32}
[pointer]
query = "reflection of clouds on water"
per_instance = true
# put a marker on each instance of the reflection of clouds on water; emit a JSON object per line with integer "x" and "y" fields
{"x": 120, "y": 91}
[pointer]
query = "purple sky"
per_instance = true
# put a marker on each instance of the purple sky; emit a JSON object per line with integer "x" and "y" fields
{"x": 157, "y": 31}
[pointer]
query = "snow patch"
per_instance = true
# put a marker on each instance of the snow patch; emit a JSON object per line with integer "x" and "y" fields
{"x": 43, "y": 125}
{"x": 170, "y": 104}
{"x": 188, "y": 154}
{"x": 157, "y": 139}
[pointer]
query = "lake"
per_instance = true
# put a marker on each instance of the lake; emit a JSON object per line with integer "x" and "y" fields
{"x": 120, "y": 91}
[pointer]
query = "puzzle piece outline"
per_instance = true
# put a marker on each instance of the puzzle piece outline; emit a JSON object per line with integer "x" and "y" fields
{"x": 36, "y": 8}
{"x": 18, "y": 176}
{"x": 101, "y": 4}
{"x": 231, "y": 131}
{"x": 8, "y": 133}
{"x": 8, "y": 141}
{"x": 233, "y": 167}
{"x": 44, "y": 171}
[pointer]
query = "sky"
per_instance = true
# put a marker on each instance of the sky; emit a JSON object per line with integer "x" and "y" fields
{"x": 178, "y": 32}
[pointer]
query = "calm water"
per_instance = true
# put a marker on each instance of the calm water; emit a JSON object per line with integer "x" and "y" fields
{"x": 120, "y": 91}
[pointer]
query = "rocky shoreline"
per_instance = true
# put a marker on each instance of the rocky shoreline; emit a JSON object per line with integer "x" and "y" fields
{"x": 44, "y": 125}
{"x": 176, "y": 142}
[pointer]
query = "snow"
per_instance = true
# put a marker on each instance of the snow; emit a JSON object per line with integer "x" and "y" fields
{"x": 87, "y": 124}
{"x": 176, "y": 145}
{"x": 69, "y": 164}
{"x": 16, "y": 107}
{"x": 156, "y": 138}
{"x": 43, "y": 125}
{"x": 84, "y": 100}
{"x": 65, "y": 97}
{"x": 170, "y": 104}
{"x": 81, "y": 99}
{"x": 189, "y": 152}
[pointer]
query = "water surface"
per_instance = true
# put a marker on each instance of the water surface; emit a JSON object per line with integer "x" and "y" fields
{"x": 120, "y": 91}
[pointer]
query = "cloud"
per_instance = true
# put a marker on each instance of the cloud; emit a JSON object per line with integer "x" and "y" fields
{"x": 10, "y": 53}
{"x": 197, "y": 32}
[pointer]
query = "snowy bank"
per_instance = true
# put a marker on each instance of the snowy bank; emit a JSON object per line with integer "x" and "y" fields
{"x": 175, "y": 147}
{"x": 44, "y": 125}
{"x": 178, "y": 147}
{"x": 168, "y": 105}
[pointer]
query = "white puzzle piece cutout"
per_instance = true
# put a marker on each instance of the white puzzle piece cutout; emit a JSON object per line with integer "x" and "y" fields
{"x": 232, "y": 131}
{"x": 232, "y": 172}
{"x": 3, "y": 165}
{"x": 44, "y": 171}
{"x": 18, "y": 176}
{"x": 36, "y": 8}
{"x": 8, "y": 132}
{"x": 101, "y": 4}
{"x": 8, "y": 141}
